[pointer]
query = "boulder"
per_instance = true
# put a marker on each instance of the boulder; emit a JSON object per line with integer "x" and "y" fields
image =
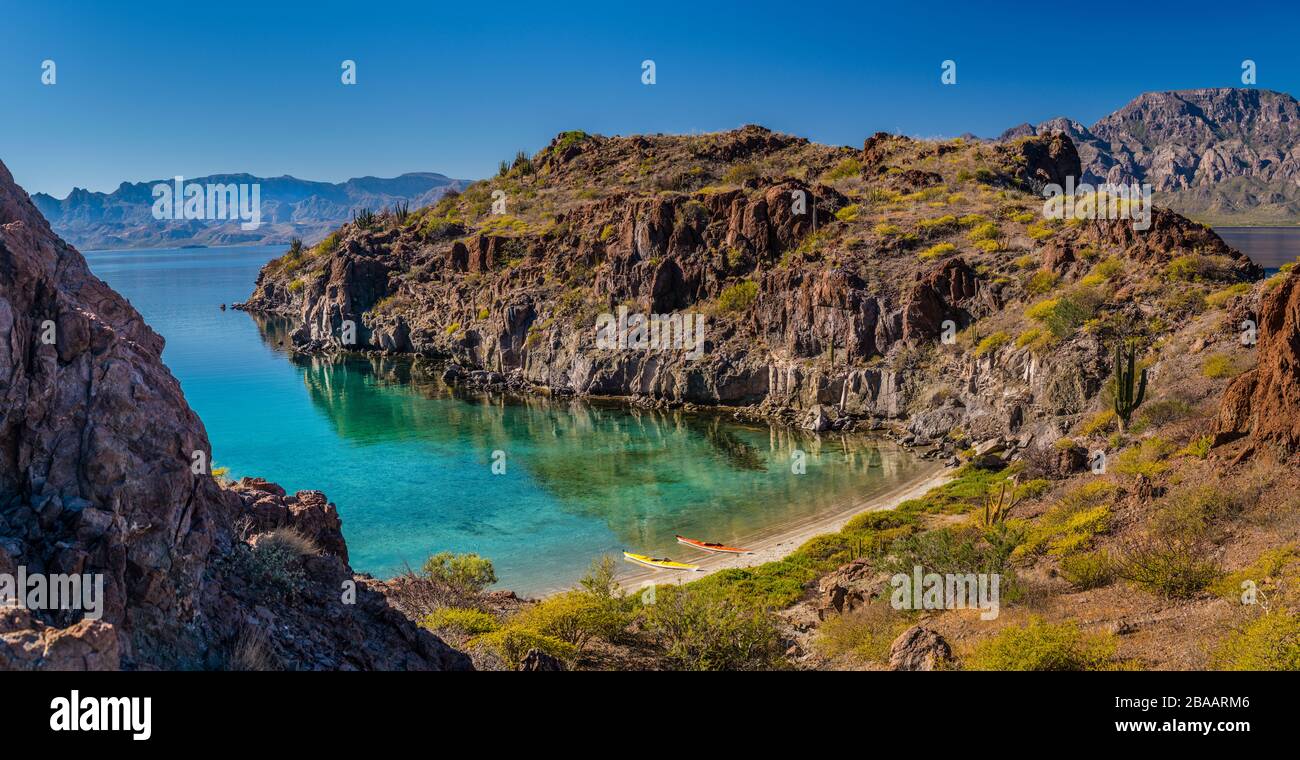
{"x": 919, "y": 648}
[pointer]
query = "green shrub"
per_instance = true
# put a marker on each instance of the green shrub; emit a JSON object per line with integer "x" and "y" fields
{"x": 992, "y": 343}
{"x": 573, "y": 617}
{"x": 1270, "y": 642}
{"x": 1147, "y": 458}
{"x": 1192, "y": 510}
{"x": 1216, "y": 300}
{"x": 739, "y": 174}
{"x": 937, "y": 250}
{"x": 1219, "y": 365}
{"x": 1170, "y": 566}
{"x": 1088, "y": 569}
{"x": 465, "y": 573}
{"x": 1041, "y": 646}
{"x": 887, "y": 230}
{"x": 1199, "y": 447}
{"x": 865, "y": 634}
{"x": 849, "y": 213}
{"x": 460, "y": 620}
{"x": 737, "y": 297}
{"x": 985, "y": 231}
{"x": 700, "y": 628}
{"x": 1043, "y": 281}
{"x": 849, "y": 167}
{"x": 511, "y": 644}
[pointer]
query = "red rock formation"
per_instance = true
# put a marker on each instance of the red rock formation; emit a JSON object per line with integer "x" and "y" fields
{"x": 96, "y": 448}
{"x": 1264, "y": 403}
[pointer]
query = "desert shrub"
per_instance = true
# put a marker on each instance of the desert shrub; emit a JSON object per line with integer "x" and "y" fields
{"x": 1042, "y": 646}
{"x": 937, "y": 250}
{"x": 1218, "y": 299}
{"x": 297, "y": 285}
{"x": 1100, "y": 422}
{"x": 992, "y": 343}
{"x": 465, "y": 573}
{"x": 574, "y": 617}
{"x": 957, "y": 550}
{"x": 252, "y": 651}
{"x": 1269, "y": 642}
{"x": 937, "y": 225}
{"x": 1038, "y": 231}
{"x": 1170, "y": 566}
{"x": 1043, "y": 281}
{"x": 849, "y": 167}
{"x": 1195, "y": 267}
{"x": 737, "y": 297}
{"x": 1088, "y": 569}
{"x": 887, "y": 230}
{"x": 1063, "y": 315}
{"x": 849, "y": 213}
{"x": 1219, "y": 365}
{"x": 1162, "y": 412}
{"x": 1147, "y": 458}
{"x": 274, "y": 560}
{"x": 460, "y": 620}
{"x": 510, "y": 644}
{"x": 738, "y": 174}
{"x": 864, "y": 635}
{"x": 985, "y": 231}
{"x": 1070, "y": 525}
{"x": 700, "y": 628}
{"x": 1192, "y": 510}
{"x": 1198, "y": 447}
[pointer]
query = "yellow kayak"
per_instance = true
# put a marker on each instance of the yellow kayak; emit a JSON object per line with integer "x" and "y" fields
{"x": 659, "y": 563}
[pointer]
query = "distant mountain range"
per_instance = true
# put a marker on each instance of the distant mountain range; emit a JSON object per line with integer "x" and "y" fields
{"x": 290, "y": 207}
{"x": 1221, "y": 156}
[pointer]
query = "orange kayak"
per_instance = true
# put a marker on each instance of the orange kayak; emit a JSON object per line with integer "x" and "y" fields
{"x": 710, "y": 547}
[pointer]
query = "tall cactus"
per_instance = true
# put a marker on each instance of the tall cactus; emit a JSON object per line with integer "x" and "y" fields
{"x": 1127, "y": 397}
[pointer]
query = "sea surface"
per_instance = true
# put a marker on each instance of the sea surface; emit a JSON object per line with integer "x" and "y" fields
{"x": 1269, "y": 247}
{"x": 409, "y": 462}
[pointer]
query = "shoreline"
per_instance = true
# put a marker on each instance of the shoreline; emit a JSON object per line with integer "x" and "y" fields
{"x": 779, "y": 541}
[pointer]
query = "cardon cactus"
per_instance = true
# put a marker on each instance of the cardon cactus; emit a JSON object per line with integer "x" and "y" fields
{"x": 1130, "y": 387}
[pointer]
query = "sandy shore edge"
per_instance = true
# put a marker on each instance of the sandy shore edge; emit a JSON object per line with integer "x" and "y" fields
{"x": 786, "y": 538}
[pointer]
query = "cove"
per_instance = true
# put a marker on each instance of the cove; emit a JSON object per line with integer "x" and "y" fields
{"x": 408, "y": 459}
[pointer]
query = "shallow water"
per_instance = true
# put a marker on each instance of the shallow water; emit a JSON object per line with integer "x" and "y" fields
{"x": 409, "y": 462}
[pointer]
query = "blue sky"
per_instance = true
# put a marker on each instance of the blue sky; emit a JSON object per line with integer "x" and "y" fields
{"x": 150, "y": 89}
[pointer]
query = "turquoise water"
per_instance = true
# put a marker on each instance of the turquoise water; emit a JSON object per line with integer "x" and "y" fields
{"x": 409, "y": 463}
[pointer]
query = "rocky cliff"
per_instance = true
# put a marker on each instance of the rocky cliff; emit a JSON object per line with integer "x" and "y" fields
{"x": 1223, "y": 154}
{"x": 98, "y": 476}
{"x": 840, "y": 311}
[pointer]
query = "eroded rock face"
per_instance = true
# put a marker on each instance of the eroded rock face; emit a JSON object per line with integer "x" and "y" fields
{"x": 919, "y": 648}
{"x": 1264, "y": 403}
{"x": 96, "y": 448}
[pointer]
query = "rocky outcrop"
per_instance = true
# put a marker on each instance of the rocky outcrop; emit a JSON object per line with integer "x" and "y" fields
{"x": 919, "y": 648}
{"x": 1264, "y": 402}
{"x": 103, "y": 471}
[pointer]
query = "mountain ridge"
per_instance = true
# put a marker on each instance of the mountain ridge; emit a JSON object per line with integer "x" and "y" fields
{"x": 1218, "y": 155}
{"x": 291, "y": 207}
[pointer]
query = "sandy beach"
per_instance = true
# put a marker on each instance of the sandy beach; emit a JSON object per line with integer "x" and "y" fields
{"x": 779, "y": 541}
